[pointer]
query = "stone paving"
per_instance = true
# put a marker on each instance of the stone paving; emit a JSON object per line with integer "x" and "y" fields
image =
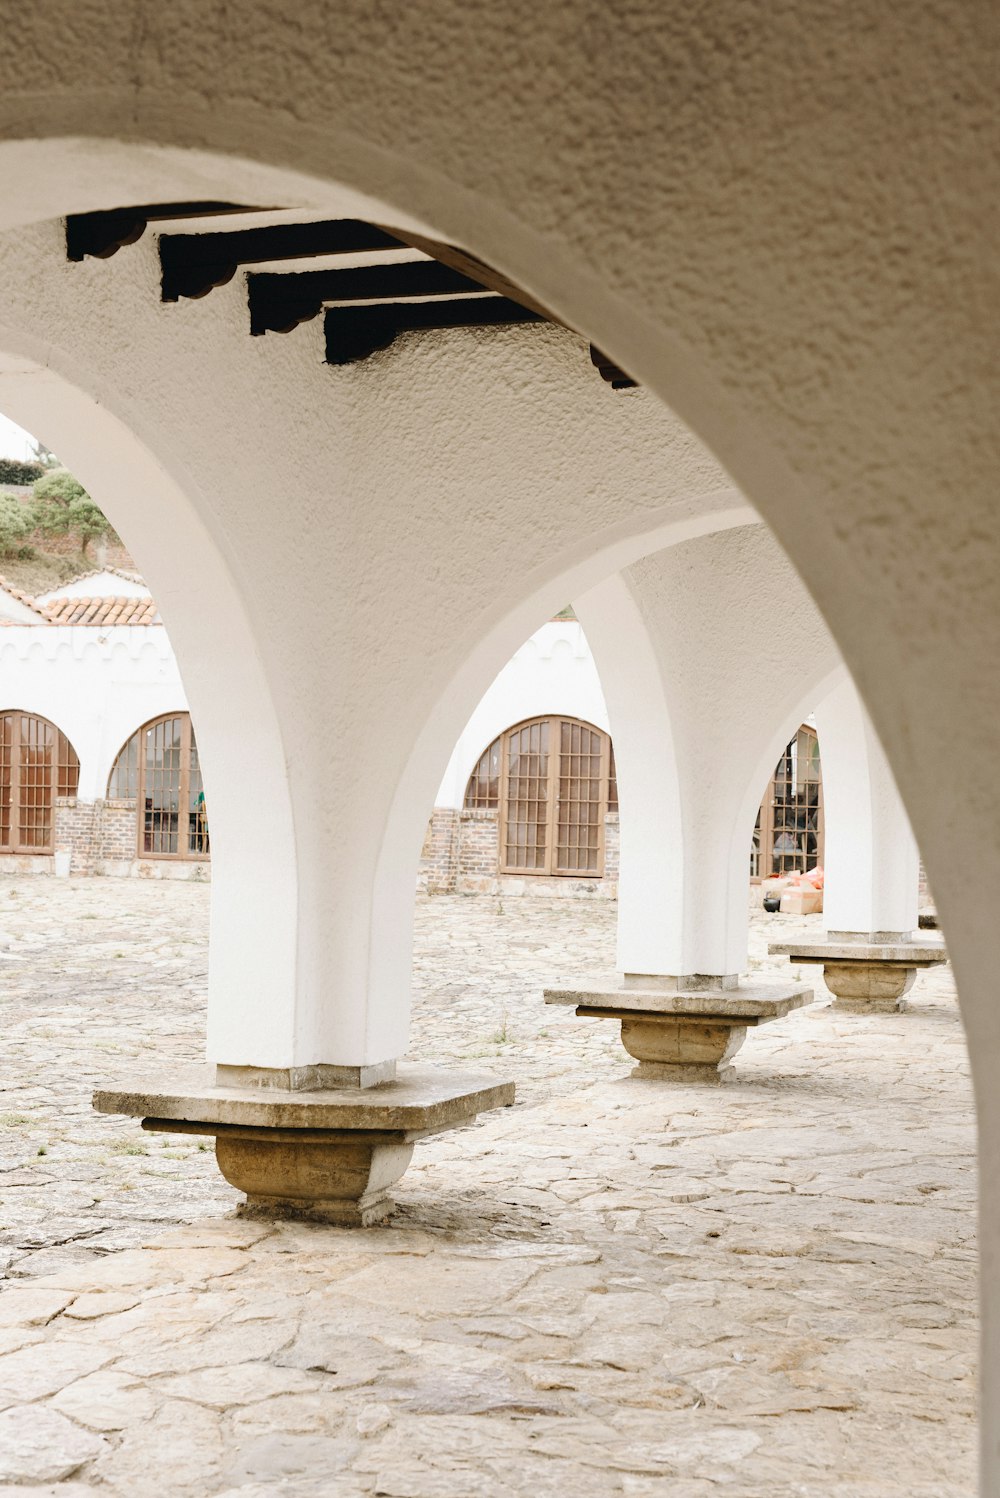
{"x": 764, "y": 1290}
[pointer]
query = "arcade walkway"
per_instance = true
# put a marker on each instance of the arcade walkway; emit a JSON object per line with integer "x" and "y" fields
{"x": 758, "y": 1291}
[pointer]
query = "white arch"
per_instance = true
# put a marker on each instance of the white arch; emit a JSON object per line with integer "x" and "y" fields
{"x": 867, "y": 456}
{"x": 535, "y": 682}
{"x": 701, "y": 684}
{"x": 230, "y": 698}
{"x": 792, "y": 710}
{"x": 399, "y": 851}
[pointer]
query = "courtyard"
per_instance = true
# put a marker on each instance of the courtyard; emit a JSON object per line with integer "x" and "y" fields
{"x": 764, "y": 1290}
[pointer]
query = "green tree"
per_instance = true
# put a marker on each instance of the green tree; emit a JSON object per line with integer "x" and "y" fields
{"x": 62, "y": 507}
{"x": 16, "y": 525}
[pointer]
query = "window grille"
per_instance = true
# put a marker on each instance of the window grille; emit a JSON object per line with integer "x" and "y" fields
{"x": 158, "y": 767}
{"x": 483, "y": 791}
{"x": 123, "y": 783}
{"x": 788, "y": 836}
{"x": 553, "y": 781}
{"x": 37, "y": 763}
{"x": 583, "y": 799}
{"x": 524, "y": 827}
{"x": 67, "y": 767}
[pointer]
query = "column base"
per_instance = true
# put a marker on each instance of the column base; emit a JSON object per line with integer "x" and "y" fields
{"x": 868, "y": 987}
{"x": 329, "y": 1155}
{"x": 684, "y": 1036}
{"x": 682, "y": 1050}
{"x": 866, "y": 976}
{"x": 342, "y": 1180}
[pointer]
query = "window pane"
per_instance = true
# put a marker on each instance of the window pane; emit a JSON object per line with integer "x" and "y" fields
{"x": 578, "y": 822}
{"x": 527, "y": 794}
{"x": 124, "y": 782}
{"x": 36, "y": 754}
{"x": 483, "y": 790}
{"x": 6, "y": 778}
{"x": 162, "y": 786}
{"x": 796, "y": 801}
{"x": 68, "y": 768}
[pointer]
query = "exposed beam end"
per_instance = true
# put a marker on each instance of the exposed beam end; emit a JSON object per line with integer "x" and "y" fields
{"x": 612, "y": 373}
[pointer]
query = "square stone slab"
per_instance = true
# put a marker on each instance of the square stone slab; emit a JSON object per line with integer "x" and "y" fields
{"x": 908, "y": 953}
{"x": 866, "y": 977}
{"x": 683, "y": 1035}
{"x": 421, "y": 1098}
{"x": 330, "y": 1154}
{"x": 749, "y": 1003}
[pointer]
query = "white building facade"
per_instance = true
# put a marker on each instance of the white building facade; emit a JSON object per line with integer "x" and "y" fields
{"x": 98, "y": 683}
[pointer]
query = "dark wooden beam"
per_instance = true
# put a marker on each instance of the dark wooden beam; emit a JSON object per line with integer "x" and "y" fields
{"x": 193, "y": 264}
{"x": 495, "y": 280}
{"x": 477, "y": 270}
{"x": 353, "y": 333}
{"x": 616, "y": 378}
{"x": 103, "y": 233}
{"x": 279, "y": 302}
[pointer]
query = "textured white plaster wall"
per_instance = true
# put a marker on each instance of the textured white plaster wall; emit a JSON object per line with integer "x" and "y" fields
{"x": 553, "y": 672}
{"x": 97, "y": 685}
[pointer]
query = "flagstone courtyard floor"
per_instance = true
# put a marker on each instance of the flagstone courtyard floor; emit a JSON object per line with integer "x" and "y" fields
{"x": 765, "y": 1290}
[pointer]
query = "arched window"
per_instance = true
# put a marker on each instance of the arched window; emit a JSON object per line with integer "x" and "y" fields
{"x": 552, "y": 781}
{"x": 158, "y": 769}
{"x": 37, "y": 764}
{"x": 788, "y": 837}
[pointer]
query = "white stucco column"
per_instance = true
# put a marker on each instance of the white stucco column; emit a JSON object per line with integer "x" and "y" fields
{"x": 709, "y": 654}
{"x": 871, "y": 860}
{"x": 652, "y": 932}
{"x": 870, "y": 956}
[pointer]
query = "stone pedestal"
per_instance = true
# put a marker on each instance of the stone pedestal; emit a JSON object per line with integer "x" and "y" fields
{"x": 683, "y": 1034}
{"x": 330, "y": 1154}
{"x": 869, "y": 973}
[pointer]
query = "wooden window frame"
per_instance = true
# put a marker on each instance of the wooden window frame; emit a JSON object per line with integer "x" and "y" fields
{"x": 550, "y": 870}
{"x": 64, "y": 777}
{"x": 766, "y": 826}
{"x": 183, "y": 853}
{"x": 480, "y": 799}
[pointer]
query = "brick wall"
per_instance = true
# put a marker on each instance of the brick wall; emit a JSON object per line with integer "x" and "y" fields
{"x": 75, "y": 833}
{"x": 461, "y": 855}
{"x": 116, "y": 835}
{"x": 100, "y": 838}
{"x": 439, "y": 856}
{"x": 478, "y": 853}
{"x": 612, "y": 845}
